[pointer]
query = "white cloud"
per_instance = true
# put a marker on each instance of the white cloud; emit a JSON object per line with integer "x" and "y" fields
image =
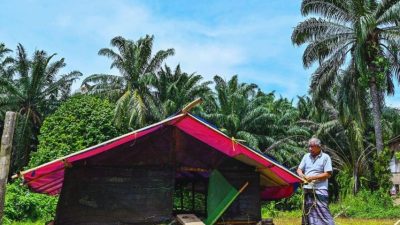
{"x": 251, "y": 45}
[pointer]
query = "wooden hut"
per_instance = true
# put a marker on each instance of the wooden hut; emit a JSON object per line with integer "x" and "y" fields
{"x": 152, "y": 174}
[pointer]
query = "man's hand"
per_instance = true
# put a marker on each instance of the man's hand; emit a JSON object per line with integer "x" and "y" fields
{"x": 319, "y": 177}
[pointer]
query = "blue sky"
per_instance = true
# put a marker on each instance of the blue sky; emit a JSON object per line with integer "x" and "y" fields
{"x": 248, "y": 38}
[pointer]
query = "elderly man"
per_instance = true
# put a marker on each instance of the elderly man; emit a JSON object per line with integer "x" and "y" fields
{"x": 316, "y": 168}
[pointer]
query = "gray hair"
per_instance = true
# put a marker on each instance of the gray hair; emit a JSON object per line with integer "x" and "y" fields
{"x": 315, "y": 141}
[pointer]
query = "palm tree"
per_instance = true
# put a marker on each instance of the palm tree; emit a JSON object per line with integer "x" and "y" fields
{"x": 131, "y": 89}
{"x": 5, "y": 73}
{"x": 238, "y": 112}
{"x": 286, "y": 136}
{"x": 5, "y": 61}
{"x": 33, "y": 90}
{"x": 366, "y": 32}
{"x": 262, "y": 122}
{"x": 173, "y": 90}
{"x": 343, "y": 140}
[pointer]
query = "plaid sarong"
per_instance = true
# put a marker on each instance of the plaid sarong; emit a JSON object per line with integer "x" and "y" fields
{"x": 316, "y": 211}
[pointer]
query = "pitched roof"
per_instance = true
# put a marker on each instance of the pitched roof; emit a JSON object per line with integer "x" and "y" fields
{"x": 48, "y": 178}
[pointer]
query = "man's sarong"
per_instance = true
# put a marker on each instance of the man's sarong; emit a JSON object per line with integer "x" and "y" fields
{"x": 316, "y": 211}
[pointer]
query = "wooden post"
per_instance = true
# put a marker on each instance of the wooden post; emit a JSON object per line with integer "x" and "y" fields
{"x": 5, "y": 155}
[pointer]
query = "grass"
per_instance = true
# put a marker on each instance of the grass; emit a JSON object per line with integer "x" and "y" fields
{"x": 294, "y": 218}
{"x": 339, "y": 221}
{"x": 290, "y": 221}
{"x": 28, "y": 223}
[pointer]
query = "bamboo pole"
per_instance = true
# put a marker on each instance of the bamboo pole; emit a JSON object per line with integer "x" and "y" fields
{"x": 5, "y": 155}
{"x": 191, "y": 105}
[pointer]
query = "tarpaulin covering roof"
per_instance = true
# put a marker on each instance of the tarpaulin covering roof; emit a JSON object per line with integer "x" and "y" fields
{"x": 277, "y": 181}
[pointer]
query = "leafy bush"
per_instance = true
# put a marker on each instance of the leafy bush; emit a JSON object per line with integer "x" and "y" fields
{"x": 381, "y": 175}
{"x": 287, "y": 206}
{"x": 21, "y": 204}
{"x": 80, "y": 122}
{"x": 269, "y": 210}
{"x": 292, "y": 203}
{"x": 367, "y": 204}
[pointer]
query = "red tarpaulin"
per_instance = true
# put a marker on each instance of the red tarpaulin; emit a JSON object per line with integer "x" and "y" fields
{"x": 278, "y": 182}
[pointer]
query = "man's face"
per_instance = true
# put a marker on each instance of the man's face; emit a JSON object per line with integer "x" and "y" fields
{"x": 314, "y": 149}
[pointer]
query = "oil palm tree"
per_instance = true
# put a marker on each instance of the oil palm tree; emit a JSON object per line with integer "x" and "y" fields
{"x": 5, "y": 73}
{"x": 342, "y": 129}
{"x": 5, "y": 61}
{"x": 365, "y": 31}
{"x": 33, "y": 89}
{"x": 173, "y": 90}
{"x": 286, "y": 136}
{"x": 236, "y": 112}
{"x": 239, "y": 112}
{"x": 131, "y": 89}
{"x": 343, "y": 140}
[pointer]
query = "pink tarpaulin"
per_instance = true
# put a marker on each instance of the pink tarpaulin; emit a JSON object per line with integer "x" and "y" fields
{"x": 49, "y": 177}
{"x": 275, "y": 193}
{"x": 219, "y": 141}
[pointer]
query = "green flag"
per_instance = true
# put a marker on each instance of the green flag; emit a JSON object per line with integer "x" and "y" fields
{"x": 221, "y": 194}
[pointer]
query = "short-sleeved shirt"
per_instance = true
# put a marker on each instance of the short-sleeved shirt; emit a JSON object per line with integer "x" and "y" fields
{"x": 312, "y": 166}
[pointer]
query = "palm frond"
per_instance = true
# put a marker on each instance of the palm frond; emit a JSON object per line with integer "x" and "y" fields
{"x": 332, "y": 9}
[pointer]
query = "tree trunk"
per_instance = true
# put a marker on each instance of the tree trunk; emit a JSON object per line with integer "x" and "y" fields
{"x": 5, "y": 154}
{"x": 376, "y": 113}
{"x": 355, "y": 178}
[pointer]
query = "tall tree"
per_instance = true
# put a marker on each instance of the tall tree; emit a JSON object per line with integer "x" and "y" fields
{"x": 5, "y": 60}
{"x": 286, "y": 136}
{"x": 238, "y": 112}
{"x": 33, "y": 90}
{"x": 131, "y": 89}
{"x": 364, "y": 31}
{"x": 343, "y": 139}
{"x": 175, "y": 89}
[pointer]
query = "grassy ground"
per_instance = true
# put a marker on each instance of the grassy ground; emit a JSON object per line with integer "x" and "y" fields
{"x": 28, "y": 223}
{"x": 294, "y": 218}
{"x": 292, "y": 221}
{"x": 338, "y": 221}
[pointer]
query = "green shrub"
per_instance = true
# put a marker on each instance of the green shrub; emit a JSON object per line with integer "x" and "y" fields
{"x": 367, "y": 204}
{"x": 79, "y": 123}
{"x": 21, "y": 205}
{"x": 381, "y": 175}
{"x": 292, "y": 203}
{"x": 269, "y": 210}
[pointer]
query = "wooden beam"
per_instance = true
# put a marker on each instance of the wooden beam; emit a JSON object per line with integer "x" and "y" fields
{"x": 191, "y": 105}
{"x": 5, "y": 155}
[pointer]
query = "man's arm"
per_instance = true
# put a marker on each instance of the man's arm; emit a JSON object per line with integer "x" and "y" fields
{"x": 301, "y": 168}
{"x": 326, "y": 174}
{"x": 300, "y": 173}
{"x": 319, "y": 177}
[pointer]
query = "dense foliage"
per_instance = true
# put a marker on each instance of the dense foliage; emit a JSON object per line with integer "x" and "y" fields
{"x": 33, "y": 88}
{"x": 22, "y": 204}
{"x": 358, "y": 40}
{"x": 343, "y": 101}
{"x": 135, "y": 104}
{"x": 365, "y": 204}
{"x": 80, "y": 122}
